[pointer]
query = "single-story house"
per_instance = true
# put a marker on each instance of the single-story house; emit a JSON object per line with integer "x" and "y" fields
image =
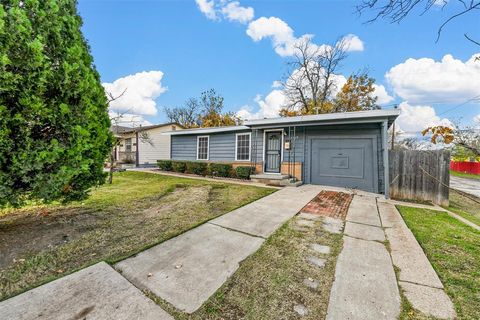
{"x": 142, "y": 146}
{"x": 338, "y": 149}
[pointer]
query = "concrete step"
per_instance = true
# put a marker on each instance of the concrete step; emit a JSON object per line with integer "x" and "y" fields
{"x": 270, "y": 176}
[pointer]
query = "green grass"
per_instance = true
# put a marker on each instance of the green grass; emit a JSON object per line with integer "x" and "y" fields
{"x": 465, "y": 206}
{"x": 464, "y": 175}
{"x": 453, "y": 248}
{"x": 139, "y": 210}
{"x": 269, "y": 283}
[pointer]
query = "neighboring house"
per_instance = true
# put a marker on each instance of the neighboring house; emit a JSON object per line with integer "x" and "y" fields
{"x": 144, "y": 145}
{"x": 337, "y": 149}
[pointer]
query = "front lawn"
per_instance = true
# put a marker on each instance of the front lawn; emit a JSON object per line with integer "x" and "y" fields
{"x": 454, "y": 251}
{"x": 270, "y": 283}
{"x": 138, "y": 210}
{"x": 465, "y": 206}
{"x": 464, "y": 175}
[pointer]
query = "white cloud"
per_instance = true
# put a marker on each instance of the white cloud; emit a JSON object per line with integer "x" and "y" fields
{"x": 280, "y": 33}
{"x": 416, "y": 118}
{"x": 141, "y": 90}
{"x": 276, "y": 84}
{"x": 274, "y": 28}
{"x": 268, "y": 107}
{"x": 426, "y": 80}
{"x": 382, "y": 95}
{"x": 128, "y": 119}
{"x": 207, "y": 8}
{"x": 234, "y": 12}
{"x": 477, "y": 118}
{"x": 353, "y": 43}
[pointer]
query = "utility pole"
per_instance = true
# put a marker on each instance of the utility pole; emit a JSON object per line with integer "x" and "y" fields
{"x": 393, "y": 131}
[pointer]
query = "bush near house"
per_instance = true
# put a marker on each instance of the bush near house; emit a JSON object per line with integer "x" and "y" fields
{"x": 224, "y": 170}
{"x": 244, "y": 172}
{"x": 165, "y": 165}
{"x": 179, "y": 166}
{"x": 199, "y": 168}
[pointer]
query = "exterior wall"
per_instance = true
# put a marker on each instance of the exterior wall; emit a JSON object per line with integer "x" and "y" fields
{"x": 222, "y": 147}
{"x": 160, "y": 147}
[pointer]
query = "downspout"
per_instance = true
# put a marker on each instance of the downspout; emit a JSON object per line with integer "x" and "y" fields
{"x": 386, "y": 168}
{"x": 137, "y": 154}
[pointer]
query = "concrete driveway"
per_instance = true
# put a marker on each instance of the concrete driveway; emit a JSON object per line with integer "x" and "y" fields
{"x": 470, "y": 186}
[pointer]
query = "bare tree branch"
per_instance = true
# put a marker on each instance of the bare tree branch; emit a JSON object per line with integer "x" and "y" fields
{"x": 397, "y": 10}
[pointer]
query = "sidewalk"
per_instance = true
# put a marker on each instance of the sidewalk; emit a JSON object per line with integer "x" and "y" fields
{"x": 366, "y": 286}
{"x": 185, "y": 270}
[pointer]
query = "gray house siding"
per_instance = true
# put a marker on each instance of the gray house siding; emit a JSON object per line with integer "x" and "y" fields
{"x": 222, "y": 145}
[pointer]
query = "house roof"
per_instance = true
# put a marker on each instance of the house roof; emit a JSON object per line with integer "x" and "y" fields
{"x": 318, "y": 119}
{"x": 327, "y": 118}
{"x": 124, "y": 129}
{"x": 206, "y": 130}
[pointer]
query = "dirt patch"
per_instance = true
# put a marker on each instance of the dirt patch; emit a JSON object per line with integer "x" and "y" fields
{"x": 30, "y": 233}
{"x": 117, "y": 221}
{"x": 330, "y": 204}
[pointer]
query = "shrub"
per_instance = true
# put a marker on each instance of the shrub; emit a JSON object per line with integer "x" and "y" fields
{"x": 220, "y": 170}
{"x": 244, "y": 172}
{"x": 179, "y": 166}
{"x": 199, "y": 168}
{"x": 165, "y": 165}
{"x": 54, "y": 123}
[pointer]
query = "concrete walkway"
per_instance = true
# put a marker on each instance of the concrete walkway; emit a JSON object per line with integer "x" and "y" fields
{"x": 366, "y": 286}
{"x": 97, "y": 292}
{"x": 417, "y": 278}
{"x": 470, "y": 186}
{"x": 186, "y": 270}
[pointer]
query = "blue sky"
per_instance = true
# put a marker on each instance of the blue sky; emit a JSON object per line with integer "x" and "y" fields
{"x": 183, "y": 51}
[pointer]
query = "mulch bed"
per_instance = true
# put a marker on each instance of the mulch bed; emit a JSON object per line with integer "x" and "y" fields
{"x": 330, "y": 204}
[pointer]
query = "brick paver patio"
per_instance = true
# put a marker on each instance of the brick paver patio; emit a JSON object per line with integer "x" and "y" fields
{"x": 330, "y": 204}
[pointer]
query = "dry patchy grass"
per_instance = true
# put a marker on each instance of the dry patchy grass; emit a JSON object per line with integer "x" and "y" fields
{"x": 269, "y": 283}
{"x": 137, "y": 211}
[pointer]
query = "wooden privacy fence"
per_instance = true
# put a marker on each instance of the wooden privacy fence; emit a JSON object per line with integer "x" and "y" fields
{"x": 420, "y": 175}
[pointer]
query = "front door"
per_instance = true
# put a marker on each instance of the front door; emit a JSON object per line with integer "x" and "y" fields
{"x": 273, "y": 151}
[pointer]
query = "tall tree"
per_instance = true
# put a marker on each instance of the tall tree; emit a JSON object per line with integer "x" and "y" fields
{"x": 54, "y": 124}
{"x": 207, "y": 111}
{"x": 397, "y": 10}
{"x": 212, "y": 114}
{"x": 357, "y": 94}
{"x": 311, "y": 79}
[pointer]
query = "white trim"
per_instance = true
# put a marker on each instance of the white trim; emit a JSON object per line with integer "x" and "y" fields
{"x": 281, "y": 150}
{"x": 208, "y": 148}
{"x": 324, "y": 117}
{"x": 249, "y": 145}
{"x": 205, "y": 130}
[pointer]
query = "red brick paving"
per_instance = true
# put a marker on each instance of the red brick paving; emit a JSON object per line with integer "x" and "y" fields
{"x": 330, "y": 203}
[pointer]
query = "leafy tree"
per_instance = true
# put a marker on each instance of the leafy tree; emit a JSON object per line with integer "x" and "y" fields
{"x": 357, "y": 94}
{"x": 54, "y": 125}
{"x": 212, "y": 111}
{"x": 468, "y": 139}
{"x": 204, "y": 112}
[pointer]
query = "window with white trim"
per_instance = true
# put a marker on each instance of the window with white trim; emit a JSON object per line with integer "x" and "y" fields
{"x": 242, "y": 147}
{"x": 202, "y": 147}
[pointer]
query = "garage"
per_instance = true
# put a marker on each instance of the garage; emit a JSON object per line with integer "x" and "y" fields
{"x": 344, "y": 161}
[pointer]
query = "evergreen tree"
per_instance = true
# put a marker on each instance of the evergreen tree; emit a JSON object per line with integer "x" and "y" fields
{"x": 54, "y": 124}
